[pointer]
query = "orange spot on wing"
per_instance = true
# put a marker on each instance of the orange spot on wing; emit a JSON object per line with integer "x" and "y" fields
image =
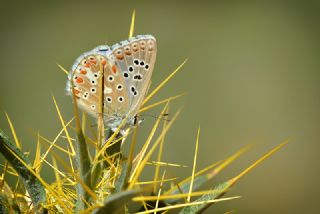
{"x": 119, "y": 56}
{"x": 114, "y": 69}
{"x": 83, "y": 71}
{"x": 79, "y": 80}
{"x": 94, "y": 61}
{"x": 75, "y": 91}
{"x": 87, "y": 65}
{"x": 104, "y": 62}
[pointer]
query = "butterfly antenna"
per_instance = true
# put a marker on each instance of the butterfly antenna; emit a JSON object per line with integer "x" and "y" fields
{"x": 162, "y": 116}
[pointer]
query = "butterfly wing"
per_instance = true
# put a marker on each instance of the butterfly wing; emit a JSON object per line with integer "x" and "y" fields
{"x": 135, "y": 59}
{"x": 83, "y": 82}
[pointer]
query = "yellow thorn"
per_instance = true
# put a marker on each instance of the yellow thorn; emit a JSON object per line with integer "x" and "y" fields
{"x": 64, "y": 127}
{"x": 159, "y": 192}
{"x": 154, "y": 182}
{"x": 163, "y": 83}
{"x": 200, "y": 172}
{"x": 47, "y": 186}
{"x": 53, "y": 143}
{"x": 174, "y": 196}
{"x": 188, "y": 204}
{"x": 132, "y": 23}
{"x": 229, "y": 160}
{"x": 235, "y": 179}
{"x": 159, "y": 163}
{"x": 13, "y": 131}
{"x": 76, "y": 177}
{"x": 146, "y": 145}
{"x": 157, "y": 170}
{"x": 56, "y": 173}
{"x": 160, "y": 102}
{"x": 194, "y": 165}
{"x": 36, "y": 162}
{"x": 145, "y": 160}
{"x": 63, "y": 69}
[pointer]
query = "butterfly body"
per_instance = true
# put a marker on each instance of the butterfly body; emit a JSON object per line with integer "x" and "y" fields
{"x": 126, "y": 67}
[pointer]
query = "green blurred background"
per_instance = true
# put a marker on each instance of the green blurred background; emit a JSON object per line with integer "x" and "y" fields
{"x": 252, "y": 77}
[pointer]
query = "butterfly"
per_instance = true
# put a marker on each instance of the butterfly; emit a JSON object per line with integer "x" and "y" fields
{"x": 126, "y": 67}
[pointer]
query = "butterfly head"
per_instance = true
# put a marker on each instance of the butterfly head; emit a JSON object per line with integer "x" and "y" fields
{"x": 117, "y": 120}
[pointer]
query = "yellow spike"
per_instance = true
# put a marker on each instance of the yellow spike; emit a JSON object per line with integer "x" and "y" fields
{"x": 64, "y": 127}
{"x": 70, "y": 160}
{"x": 200, "y": 172}
{"x": 163, "y": 83}
{"x": 109, "y": 141}
{"x": 56, "y": 173}
{"x": 76, "y": 177}
{"x": 159, "y": 192}
{"x": 36, "y": 162}
{"x": 174, "y": 196}
{"x": 132, "y": 23}
{"x": 56, "y": 170}
{"x": 160, "y": 102}
{"x": 157, "y": 170}
{"x": 141, "y": 166}
{"x": 13, "y": 131}
{"x": 194, "y": 166}
{"x": 244, "y": 172}
{"x": 147, "y": 143}
{"x": 188, "y": 204}
{"x": 2, "y": 180}
{"x": 47, "y": 186}
{"x": 53, "y": 144}
{"x": 160, "y": 163}
{"x": 229, "y": 160}
{"x": 63, "y": 69}
{"x": 229, "y": 212}
{"x": 154, "y": 182}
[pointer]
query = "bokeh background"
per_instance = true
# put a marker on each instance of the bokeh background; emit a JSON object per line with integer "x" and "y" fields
{"x": 252, "y": 77}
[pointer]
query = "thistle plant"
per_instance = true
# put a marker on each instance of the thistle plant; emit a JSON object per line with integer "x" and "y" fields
{"x": 99, "y": 176}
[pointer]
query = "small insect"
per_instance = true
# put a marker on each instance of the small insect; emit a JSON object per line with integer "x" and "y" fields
{"x": 126, "y": 67}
